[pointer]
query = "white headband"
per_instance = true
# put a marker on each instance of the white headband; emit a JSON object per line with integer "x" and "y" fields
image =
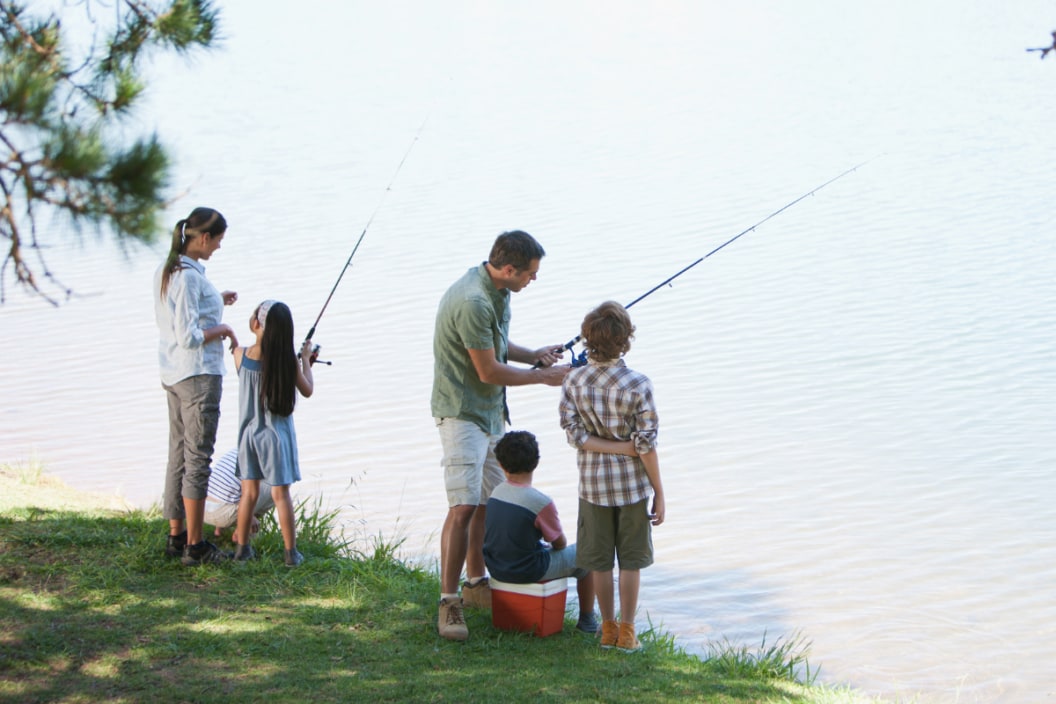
{"x": 262, "y": 311}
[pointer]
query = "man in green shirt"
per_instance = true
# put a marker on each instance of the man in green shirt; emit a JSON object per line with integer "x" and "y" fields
{"x": 472, "y": 354}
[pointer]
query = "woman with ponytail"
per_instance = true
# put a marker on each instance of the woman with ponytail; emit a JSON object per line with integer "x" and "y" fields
{"x": 188, "y": 310}
{"x": 270, "y": 373}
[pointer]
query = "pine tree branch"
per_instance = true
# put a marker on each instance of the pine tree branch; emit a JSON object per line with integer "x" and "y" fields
{"x": 58, "y": 125}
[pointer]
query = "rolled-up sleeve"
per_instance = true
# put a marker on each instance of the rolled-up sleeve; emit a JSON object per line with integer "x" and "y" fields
{"x": 186, "y": 317}
{"x": 570, "y": 420}
{"x": 190, "y": 306}
{"x": 646, "y": 422}
{"x": 475, "y": 324}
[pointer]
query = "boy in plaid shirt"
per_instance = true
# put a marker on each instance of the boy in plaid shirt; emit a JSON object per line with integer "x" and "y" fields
{"x": 608, "y": 414}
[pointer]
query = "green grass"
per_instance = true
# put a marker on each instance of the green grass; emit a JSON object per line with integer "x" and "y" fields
{"x": 91, "y": 610}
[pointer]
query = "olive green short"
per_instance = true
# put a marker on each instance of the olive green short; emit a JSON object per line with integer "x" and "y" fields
{"x": 603, "y": 531}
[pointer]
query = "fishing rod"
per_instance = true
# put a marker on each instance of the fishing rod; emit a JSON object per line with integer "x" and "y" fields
{"x": 359, "y": 241}
{"x": 581, "y": 359}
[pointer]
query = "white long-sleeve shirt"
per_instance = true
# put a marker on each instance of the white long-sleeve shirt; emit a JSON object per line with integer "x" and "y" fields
{"x": 190, "y": 306}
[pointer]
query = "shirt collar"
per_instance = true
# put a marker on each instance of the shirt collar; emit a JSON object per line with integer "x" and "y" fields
{"x": 192, "y": 263}
{"x": 489, "y": 285}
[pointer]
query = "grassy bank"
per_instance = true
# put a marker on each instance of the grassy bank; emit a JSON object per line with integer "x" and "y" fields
{"x": 91, "y": 610}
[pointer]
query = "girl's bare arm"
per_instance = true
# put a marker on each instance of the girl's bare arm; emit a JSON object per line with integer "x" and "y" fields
{"x": 305, "y": 381}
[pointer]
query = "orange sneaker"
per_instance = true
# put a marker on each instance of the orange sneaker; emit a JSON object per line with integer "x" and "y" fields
{"x": 627, "y": 642}
{"x": 609, "y": 634}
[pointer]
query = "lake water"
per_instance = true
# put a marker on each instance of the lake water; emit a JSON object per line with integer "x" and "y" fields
{"x": 856, "y": 399}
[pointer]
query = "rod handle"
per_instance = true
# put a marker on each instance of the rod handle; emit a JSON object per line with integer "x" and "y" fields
{"x": 563, "y": 348}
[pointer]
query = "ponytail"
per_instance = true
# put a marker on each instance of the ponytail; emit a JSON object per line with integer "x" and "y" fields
{"x": 201, "y": 221}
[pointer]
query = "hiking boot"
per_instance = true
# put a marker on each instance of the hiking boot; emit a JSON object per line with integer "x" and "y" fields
{"x": 451, "y": 623}
{"x": 588, "y": 622}
{"x": 627, "y": 642}
{"x": 294, "y": 557}
{"x": 202, "y": 553}
{"x": 244, "y": 552}
{"x": 175, "y": 544}
{"x": 477, "y": 596}
{"x": 610, "y": 632}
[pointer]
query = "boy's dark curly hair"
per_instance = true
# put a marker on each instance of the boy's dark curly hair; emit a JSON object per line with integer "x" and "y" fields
{"x": 518, "y": 452}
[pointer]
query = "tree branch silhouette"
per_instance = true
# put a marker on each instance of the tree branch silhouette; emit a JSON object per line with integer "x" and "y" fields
{"x": 61, "y": 111}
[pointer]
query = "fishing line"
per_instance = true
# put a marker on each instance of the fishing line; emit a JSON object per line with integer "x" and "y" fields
{"x": 366, "y": 227}
{"x": 581, "y": 359}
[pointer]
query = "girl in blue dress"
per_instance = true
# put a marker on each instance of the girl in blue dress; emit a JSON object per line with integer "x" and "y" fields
{"x": 270, "y": 373}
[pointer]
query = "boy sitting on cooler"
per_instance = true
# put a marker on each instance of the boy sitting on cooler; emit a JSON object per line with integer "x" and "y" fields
{"x": 519, "y": 518}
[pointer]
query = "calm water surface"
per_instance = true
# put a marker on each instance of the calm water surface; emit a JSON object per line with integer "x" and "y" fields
{"x": 856, "y": 399}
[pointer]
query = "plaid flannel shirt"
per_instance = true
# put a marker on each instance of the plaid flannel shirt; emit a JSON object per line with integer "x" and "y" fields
{"x": 609, "y": 400}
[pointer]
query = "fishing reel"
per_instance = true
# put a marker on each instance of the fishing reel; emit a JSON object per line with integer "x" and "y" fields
{"x": 578, "y": 360}
{"x": 313, "y": 357}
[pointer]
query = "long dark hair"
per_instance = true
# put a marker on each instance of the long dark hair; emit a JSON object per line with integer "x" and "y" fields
{"x": 278, "y": 361}
{"x": 201, "y": 221}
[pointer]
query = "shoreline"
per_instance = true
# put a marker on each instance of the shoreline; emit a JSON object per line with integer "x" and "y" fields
{"x": 52, "y": 492}
{"x": 89, "y": 574}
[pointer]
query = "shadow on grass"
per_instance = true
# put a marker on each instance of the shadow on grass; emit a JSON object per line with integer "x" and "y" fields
{"x": 92, "y": 610}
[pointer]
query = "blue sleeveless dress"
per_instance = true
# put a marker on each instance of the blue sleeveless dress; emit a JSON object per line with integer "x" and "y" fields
{"x": 267, "y": 443}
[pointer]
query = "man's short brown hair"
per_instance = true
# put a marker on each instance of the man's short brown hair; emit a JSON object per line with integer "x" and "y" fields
{"x": 516, "y": 248}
